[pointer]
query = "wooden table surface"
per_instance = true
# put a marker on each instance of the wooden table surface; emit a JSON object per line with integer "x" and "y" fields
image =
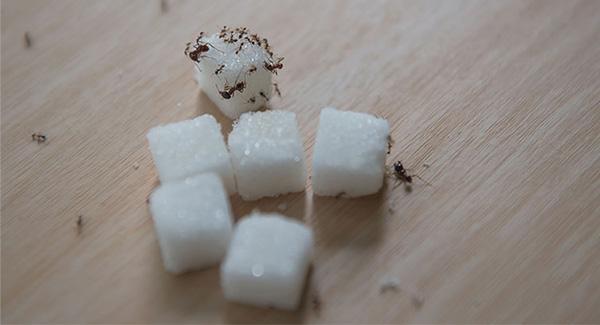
{"x": 496, "y": 104}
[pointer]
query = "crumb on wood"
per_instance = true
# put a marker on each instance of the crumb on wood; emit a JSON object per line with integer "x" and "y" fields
{"x": 136, "y": 166}
{"x": 389, "y": 284}
{"x": 425, "y": 165}
{"x": 38, "y": 137}
{"x": 79, "y": 224}
{"x": 27, "y": 40}
{"x": 164, "y": 6}
{"x": 339, "y": 195}
{"x": 417, "y": 300}
{"x": 282, "y": 206}
{"x": 316, "y": 303}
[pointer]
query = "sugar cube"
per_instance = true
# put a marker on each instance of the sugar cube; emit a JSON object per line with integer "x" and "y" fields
{"x": 190, "y": 147}
{"x": 349, "y": 153}
{"x": 267, "y": 154}
{"x": 267, "y": 261}
{"x": 193, "y": 222}
{"x": 234, "y": 69}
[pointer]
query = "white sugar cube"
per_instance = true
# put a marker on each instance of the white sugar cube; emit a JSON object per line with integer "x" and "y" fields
{"x": 193, "y": 223}
{"x": 231, "y": 59}
{"x": 191, "y": 147}
{"x": 267, "y": 154}
{"x": 267, "y": 261}
{"x": 349, "y": 153}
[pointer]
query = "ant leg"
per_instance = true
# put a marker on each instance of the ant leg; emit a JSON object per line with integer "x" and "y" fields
{"x": 397, "y": 183}
{"x": 208, "y": 57}
{"x": 237, "y": 78}
{"x": 214, "y": 47}
{"x": 217, "y": 88}
{"x": 422, "y": 180}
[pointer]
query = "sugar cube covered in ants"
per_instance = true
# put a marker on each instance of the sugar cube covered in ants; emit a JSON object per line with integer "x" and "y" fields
{"x": 235, "y": 69}
{"x": 193, "y": 222}
{"x": 190, "y": 147}
{"x": 267, "y": 154}
{"x": 267, "y": 261}
{"x": 349, "y": 153}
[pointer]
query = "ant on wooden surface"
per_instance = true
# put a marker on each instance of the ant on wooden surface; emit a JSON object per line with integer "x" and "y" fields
{"x": 400, "y": 174}
{"x": 38, "y": 137}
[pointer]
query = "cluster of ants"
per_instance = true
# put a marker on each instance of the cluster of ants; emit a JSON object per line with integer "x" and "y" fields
{"x": 196, "y": 52}
{"x": 231, "y": 36}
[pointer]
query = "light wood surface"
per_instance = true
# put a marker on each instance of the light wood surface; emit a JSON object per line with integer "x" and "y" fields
{"x": 500, "y": 99}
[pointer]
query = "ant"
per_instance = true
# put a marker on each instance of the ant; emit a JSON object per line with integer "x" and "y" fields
{"x": 240, "y": 86}
{"x": 390, "y": 142}
{"x": 220, "y": 69}
{"x": 265, "y": 45}
{"x": 242, "y": 31}
{"x": 223, "y": 35}
{"x": 400, "y": 174}
{"x": 199, "y": 48}
{"x": 228, "y": 92}
{"x": 38, "y": 137}
{"x": 252, "y": 100}
{"x": 197, "y": 52}
{"x": 239, "y": 48}
{"x": 274, "y": 66}
{"x": 199, "y": 38}
{"x": 262, "y": 94}
{"x": 276, "y": 87}
{"x": 254, "y": 39}
{"x": 252, "y": 69}
{"x": 223, "y": 32}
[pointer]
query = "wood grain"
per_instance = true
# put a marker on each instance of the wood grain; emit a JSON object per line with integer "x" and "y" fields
{"x": 501, "y": 99}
